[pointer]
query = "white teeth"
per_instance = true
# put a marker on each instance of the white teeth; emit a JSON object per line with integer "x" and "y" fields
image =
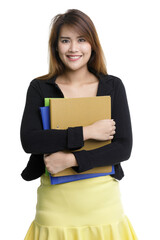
{"x": 74, "y": 57}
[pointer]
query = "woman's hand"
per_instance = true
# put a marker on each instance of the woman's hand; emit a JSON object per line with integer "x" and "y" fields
{"x": 58, "y": 161}
{"x": 102, "y": 130}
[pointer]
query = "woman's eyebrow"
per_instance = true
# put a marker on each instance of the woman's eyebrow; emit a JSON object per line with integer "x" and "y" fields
{"x": 69, "y": 37}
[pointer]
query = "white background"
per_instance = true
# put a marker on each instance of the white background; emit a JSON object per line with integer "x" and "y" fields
{"x": 129, "y": 35}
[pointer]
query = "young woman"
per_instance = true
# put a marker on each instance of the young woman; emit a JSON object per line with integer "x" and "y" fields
{"x": 89, "y": 208}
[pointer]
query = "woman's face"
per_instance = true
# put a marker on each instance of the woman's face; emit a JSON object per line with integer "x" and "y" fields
{"x": 74, "y": 50}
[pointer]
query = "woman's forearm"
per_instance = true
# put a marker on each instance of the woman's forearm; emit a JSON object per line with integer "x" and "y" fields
{"x": 71, "y": 160}
{"x": 86, "y": 132}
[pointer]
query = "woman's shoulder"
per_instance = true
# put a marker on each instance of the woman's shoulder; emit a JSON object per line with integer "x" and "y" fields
{"x": 112, "y": 80}
{"x": 43, "y": 86}
{"x": 40, "y": 83}
{"x": 36, "y": 81}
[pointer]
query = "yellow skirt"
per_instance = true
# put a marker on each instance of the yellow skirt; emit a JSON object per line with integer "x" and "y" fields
{"x": 88, "y": 209}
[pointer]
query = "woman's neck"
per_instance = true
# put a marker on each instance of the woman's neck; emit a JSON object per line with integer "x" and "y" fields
{"x": 77, "y": 77}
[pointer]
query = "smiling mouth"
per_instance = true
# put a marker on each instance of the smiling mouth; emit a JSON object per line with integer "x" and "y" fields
{"x": 74, "y": 57}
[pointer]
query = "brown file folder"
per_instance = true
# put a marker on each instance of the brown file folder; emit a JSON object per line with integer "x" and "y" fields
{"x": 71, "y": 112}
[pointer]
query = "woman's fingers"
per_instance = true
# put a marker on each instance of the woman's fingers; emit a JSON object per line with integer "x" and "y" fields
{"x": 113, "y": 122}
{"x": 113, "y": 132}
{"x": 111, "y": 137}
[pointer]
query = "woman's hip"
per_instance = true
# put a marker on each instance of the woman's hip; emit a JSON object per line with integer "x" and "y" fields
{"x": 88, "y": 201}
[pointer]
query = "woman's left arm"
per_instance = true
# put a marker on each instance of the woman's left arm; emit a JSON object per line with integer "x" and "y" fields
{"x": 120, "y": 148}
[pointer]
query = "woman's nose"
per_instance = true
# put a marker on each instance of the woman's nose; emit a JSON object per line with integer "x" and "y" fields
{"x": 73, "y": 46}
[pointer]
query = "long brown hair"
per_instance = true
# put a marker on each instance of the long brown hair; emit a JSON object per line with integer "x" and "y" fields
{"x": 84, "y": 25}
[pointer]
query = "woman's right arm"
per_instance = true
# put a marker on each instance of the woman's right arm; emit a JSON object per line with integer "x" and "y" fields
{"x": 38, "y": 141}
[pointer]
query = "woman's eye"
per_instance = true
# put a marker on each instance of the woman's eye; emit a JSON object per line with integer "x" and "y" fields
{"x": 82, "y": 40}
{"x": 64, "y": 41}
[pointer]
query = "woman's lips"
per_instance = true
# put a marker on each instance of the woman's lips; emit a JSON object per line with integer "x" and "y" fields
{"x": 74, "y": 57}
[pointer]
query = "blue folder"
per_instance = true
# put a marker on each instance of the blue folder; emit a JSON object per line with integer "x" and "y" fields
{"x": 45, "y": 115}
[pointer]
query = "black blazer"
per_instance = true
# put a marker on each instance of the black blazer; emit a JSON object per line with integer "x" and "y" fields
{"x": 37, "y": 141}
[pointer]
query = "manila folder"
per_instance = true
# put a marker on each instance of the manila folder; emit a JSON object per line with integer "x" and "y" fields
{"x": 84, "y": 111}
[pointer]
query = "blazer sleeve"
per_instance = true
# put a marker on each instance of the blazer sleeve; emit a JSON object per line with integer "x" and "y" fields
{"x": 120, "y": 148}
{"x": 34, "y": 138}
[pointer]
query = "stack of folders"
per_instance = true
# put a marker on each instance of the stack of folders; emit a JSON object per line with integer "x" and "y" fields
{"x": 61, "y": 113}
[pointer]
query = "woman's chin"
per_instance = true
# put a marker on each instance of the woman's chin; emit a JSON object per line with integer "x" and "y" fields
{"x": 75, "y": 68}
